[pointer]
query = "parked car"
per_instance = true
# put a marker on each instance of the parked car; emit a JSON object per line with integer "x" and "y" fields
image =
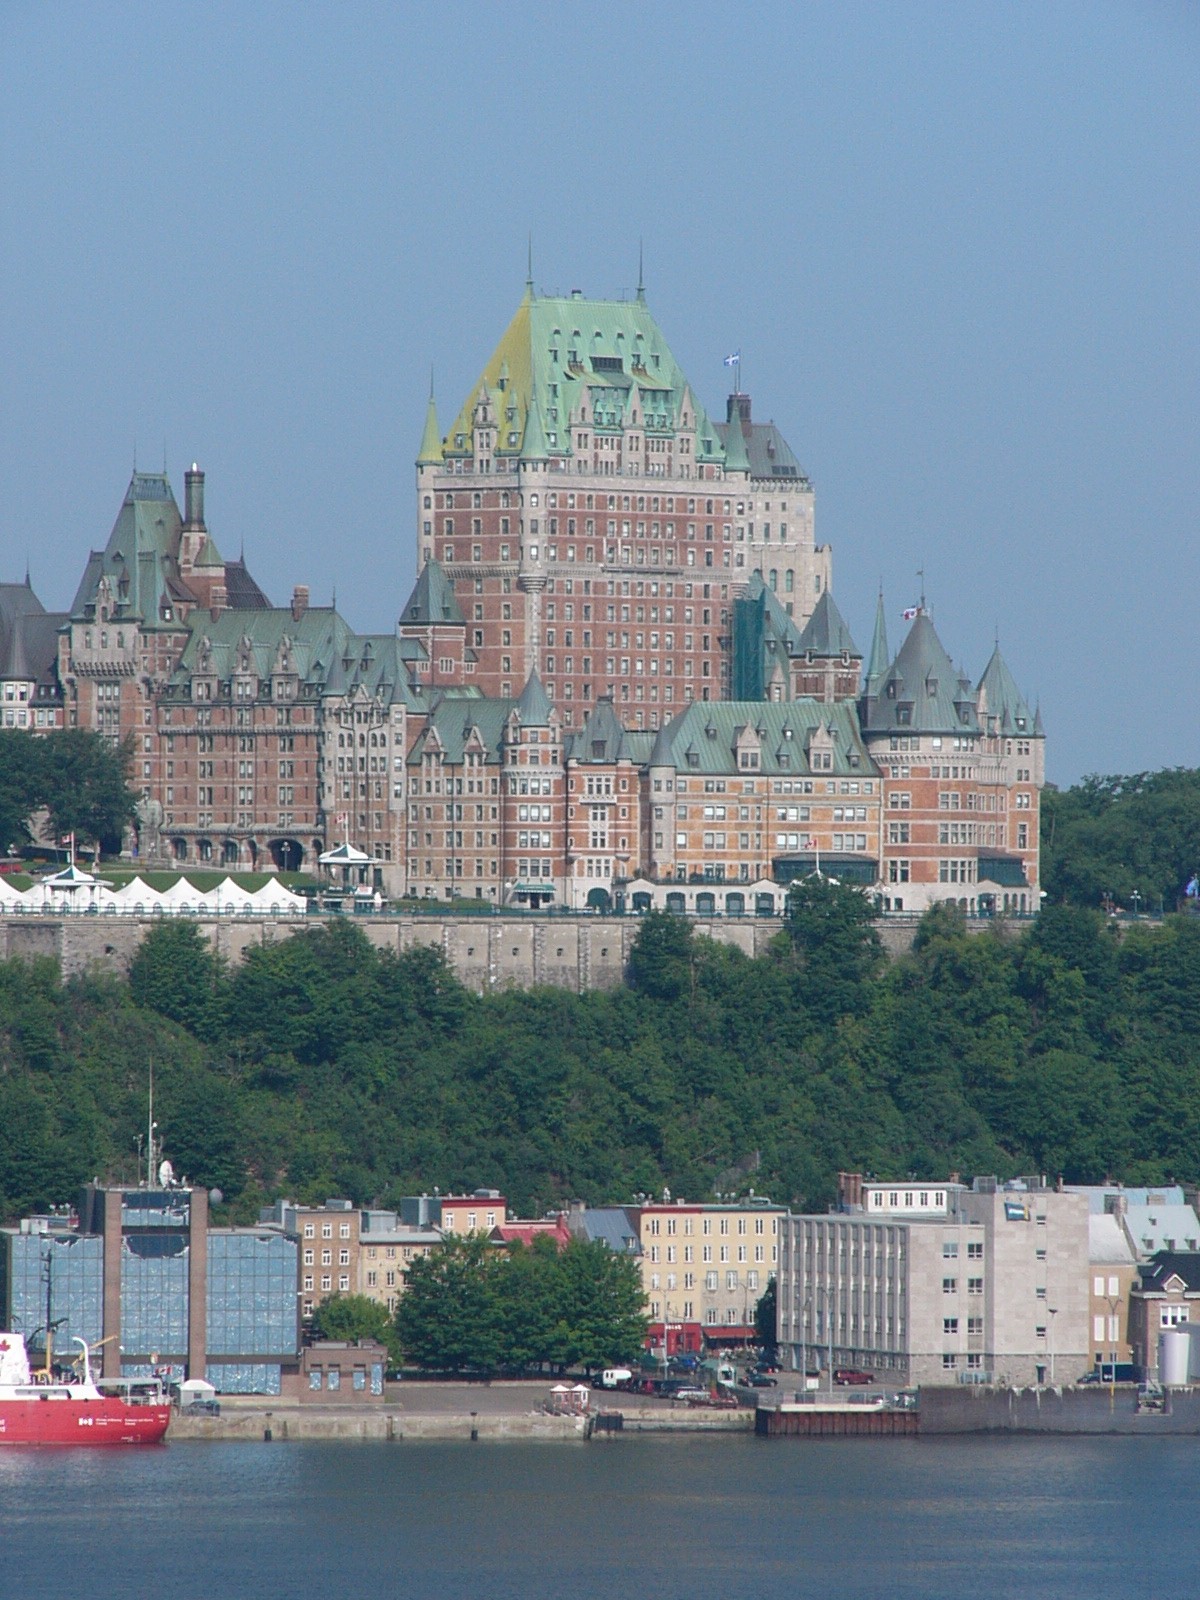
{"x": 200, "y": 1408}
{"x": 693, "y": 1397}
{"x": 852, "y": 1375}
{"x": 759, "y": 1380}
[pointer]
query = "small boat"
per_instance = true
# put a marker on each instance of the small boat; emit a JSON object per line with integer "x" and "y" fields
{"x": 49, "y": 1407}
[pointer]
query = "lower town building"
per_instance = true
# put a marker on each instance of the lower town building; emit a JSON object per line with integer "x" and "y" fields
{"x": 704, "y": 1270}
{"x": 939, "y": 1283}
{"x": 140, "y": 1274}
{"x": 1165, "y": 1297}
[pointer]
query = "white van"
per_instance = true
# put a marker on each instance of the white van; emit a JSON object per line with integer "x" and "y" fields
{"x": 612, "y": 1377}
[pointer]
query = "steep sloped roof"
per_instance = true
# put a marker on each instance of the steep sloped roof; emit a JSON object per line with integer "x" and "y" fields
{"x": 825, "y": 633}
{"x": 570, "y": 348}
{"x": 455, "y": 718}
{"x": 602, "y": 737}
{"x": 1000, "y": 698}
{"x": 141, "y": 558}
{"x": 922, "y": 691}
{"x": 703, "y": 738}
{"x": 533, "y": 706}
{"x": 432, "y": 599}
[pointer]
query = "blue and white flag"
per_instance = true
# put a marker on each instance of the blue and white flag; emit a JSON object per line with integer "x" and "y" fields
{"x": 735, "y": 360}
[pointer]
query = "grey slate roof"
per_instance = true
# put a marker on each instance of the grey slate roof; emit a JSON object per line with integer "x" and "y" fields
{"x": 922, "y": 692}
{"x": 825, "y": 633}
{"x": 610, "y": 1225}
{"x": 241, "y": 591}
{"x": 1000, "y": 698}
{"x": 28, "y": 635}
{"x": 768, "y": 452}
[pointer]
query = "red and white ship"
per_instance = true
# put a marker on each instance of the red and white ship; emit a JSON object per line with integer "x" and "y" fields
{"x": 41, "y": 1408}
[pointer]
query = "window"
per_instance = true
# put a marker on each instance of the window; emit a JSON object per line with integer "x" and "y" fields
{"x": 949, "y": 1285}
{"x": 949, "y": 1324}
{"x": 975, "y": 1250}
{"x": 974, "y": 1285}
{"x": 950, "y": 1249}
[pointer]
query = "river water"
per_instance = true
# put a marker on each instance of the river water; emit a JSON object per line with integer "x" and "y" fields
{"x": 656, "y": 1519}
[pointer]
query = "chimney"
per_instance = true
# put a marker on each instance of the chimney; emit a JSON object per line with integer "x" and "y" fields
{"x": 299, "y": 601}
{"x": 193, "y": 497}
{"x": 739, "y": 404}
{"x": 218, "y": 599}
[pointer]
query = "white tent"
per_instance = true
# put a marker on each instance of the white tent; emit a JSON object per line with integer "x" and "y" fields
{"x": 274, "y": 899}
{"x": 135, "y": 894}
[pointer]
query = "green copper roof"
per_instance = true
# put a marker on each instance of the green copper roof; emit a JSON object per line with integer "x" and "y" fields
{"x": 209, "y": 555}
{"x": 533, "y": 444}
{"x": 574, "y": 352}
{"x": 534, "y": 705}
{"x": 878, "y": 663}
{"x": 432, "y": 599}
{"x": 764, "y": 636}
{"x": 704, "y": 737}
{"x": 455, "y": 718}
{"x": 737, "y": 457}
{"x": 430, "y": 452}
{"x": 141, "y": 558}
{"x": 825, "y": 633}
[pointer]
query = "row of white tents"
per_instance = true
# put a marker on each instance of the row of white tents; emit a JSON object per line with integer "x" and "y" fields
{"x": 76, "y": 892}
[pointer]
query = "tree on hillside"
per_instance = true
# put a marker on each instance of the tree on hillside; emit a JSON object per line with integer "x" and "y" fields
{"x": 1114, "y": 836}
{"x": 831, "y": 928}
{"x": 177, "y": 973}
{"x": 662, "y": 962}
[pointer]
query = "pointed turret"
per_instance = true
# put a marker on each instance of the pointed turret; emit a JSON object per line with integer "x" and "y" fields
{"x": 534, "y": 446}
{"x": 432, "y": 600}
{"x": 430, "y": 453}
{"x": 878, "y": 663}
{"x": 534, "y": 708}
{"x": 1000, "y": 699}
{"x": 737, "y": 457}
{"x": 825, "y": 633}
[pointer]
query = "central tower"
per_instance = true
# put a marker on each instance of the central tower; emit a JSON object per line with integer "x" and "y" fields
{"x": 597, "y": 525}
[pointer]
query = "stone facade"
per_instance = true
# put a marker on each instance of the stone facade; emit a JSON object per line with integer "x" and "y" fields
{"x": 704, "y": 1269}
{"x": 936, "y": 1283}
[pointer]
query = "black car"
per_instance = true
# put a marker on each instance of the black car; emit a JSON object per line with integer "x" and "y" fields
{"x": 759, "y": 1380}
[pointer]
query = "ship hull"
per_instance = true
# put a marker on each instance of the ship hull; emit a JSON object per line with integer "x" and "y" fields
{"x": 107, "y": 1421}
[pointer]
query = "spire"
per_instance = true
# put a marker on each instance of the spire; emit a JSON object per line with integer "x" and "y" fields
{"x": 533, "y": 445}
{"x": 529, "y": 268}
{"x": 641, "y": 288}
{"x": 878, "y": 664}
{"x": 737, "y": 458}
{"x": 534, "y": 706}
{"x": 430, "y": 453}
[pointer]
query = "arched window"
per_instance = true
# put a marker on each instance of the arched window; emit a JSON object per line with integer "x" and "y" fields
{"x": 789, "y": 579}
{"x": 774, "y": 579}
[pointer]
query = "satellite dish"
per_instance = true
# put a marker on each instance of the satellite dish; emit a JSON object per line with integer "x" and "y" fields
{"x": 166, "y": 1174}
{"x": 215, "y": 1196}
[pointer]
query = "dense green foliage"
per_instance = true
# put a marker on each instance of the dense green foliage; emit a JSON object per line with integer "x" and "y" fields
{"x": 469, "y": 1307}
{"x": 322, "y": 1066}
{"x": 356, "y": 1316}
{"x": 1109, "y": 838}
{"x": 80, "y": 778}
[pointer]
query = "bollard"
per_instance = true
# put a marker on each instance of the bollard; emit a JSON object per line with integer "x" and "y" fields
{"x": 474, "y": 1429}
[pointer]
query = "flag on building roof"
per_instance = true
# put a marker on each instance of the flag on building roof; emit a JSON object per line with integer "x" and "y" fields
{"x": 910, "y": 612}
{"x": 734, "y": 360}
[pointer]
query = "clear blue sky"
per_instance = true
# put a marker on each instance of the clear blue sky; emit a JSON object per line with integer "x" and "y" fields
{"x": 956, "y": 244}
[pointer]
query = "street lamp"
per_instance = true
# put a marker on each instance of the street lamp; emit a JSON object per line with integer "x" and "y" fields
{"x": 1137, "y": 900}
{"x": 1114, "y": 1303}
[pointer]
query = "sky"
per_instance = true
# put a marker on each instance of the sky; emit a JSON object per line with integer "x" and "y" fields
{"x": 956, "y": 244}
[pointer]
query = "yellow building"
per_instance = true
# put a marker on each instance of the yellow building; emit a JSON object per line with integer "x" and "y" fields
{"x": 705, "y": 1268}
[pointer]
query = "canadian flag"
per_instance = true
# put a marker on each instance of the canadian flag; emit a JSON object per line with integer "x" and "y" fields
{"x": 910, "y": 612}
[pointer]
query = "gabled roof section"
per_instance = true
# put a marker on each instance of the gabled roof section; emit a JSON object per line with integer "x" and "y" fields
{"x": 999, "y": 698}
{"x": 28, "y": 635}
{"x": 1168, "y": 1264}
{"x": 922, "y": 691}
{"x": 825, "y": 633}
{"x": 571, "y": 349}
{"x": 141, "y": 558}
{"x": 534, "y": 707}
{"x": 455, "y": 720}
{"x": 432, "y": 600}
{"x": 705, "y": 737}
{"x": 603, "y": 737}
{"x": 768, "y": 453}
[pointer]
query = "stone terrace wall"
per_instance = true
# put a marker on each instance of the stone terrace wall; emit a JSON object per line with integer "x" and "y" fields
{"x": 486, "y": 952}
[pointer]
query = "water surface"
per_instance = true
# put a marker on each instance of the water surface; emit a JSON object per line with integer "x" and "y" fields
{"x": 655, "y": 1519}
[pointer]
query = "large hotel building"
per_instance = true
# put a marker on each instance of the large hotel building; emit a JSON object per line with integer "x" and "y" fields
{"x": 621, "y": 675}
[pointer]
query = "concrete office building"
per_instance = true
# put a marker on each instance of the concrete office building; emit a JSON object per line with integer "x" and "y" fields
{"x": 936, "y": 1283}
